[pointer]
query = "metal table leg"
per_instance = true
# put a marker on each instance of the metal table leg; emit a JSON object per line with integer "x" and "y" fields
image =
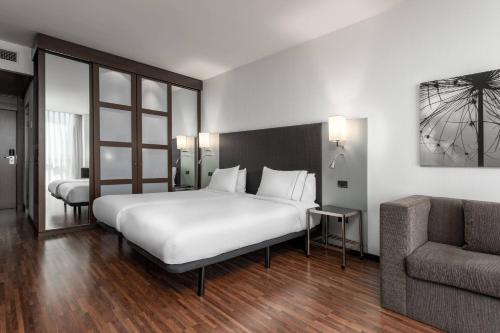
{"x": 323, "y": 228}
{"x": 308, "y": 234}
{"x": 327, "y": 225}
{"x": 343, "y": 241}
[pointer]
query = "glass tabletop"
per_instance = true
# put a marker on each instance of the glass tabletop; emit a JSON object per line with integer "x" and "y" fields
{"x": 334, "y": 210}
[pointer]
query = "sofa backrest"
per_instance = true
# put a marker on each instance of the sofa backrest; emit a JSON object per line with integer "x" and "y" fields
{"x": 446, "y": 221}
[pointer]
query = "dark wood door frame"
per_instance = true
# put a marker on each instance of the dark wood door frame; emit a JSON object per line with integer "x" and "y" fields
{"x": 47, "y": 44}
{"x": 198, "y": 151}
{"x": 20, "y": 121}
{"x": 39, "y": 141}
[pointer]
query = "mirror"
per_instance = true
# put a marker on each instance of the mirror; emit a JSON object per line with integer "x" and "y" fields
{"x": 67, "y": 109}
{"x": 184, "y": 141}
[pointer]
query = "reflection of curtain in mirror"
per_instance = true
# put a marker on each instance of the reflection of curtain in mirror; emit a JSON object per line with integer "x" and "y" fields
{"x": 85, "y": 140}
{"x": 63, "y": 145}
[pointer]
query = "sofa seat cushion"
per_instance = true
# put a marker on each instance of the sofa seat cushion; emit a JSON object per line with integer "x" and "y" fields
{"x": 454, "y": 266}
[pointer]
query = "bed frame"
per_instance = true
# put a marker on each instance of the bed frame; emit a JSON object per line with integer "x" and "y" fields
{"x": 77, "y": 206}
{"x": 282, "y": 148}
{"x": 201, "y": 265}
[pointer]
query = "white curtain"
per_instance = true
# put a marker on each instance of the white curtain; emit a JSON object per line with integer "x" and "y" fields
{"x": 63, "y": 145}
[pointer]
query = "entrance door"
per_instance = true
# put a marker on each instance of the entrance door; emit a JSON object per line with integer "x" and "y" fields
{"x": 7, "y": 170}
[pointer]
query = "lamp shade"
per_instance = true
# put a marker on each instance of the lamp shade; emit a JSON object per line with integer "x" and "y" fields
{"x": 204, "y": 140}
{"x": 181, "y": 142}
{"x": 337, "y": 128}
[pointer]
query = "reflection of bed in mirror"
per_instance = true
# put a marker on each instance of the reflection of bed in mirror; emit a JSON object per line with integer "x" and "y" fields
{"x": 72, "y": 192}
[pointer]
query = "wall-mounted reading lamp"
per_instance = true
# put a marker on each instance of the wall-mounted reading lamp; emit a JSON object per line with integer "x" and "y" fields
{"x": 337, "y": 129}
{"x": 204, "y": 145}
{"x": 181, "y": 144}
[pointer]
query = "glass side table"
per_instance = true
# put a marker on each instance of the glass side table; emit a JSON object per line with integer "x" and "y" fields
{"x": 344, "y": 214}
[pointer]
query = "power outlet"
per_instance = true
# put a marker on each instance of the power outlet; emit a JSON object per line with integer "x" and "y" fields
{"x": 342, "y": 184}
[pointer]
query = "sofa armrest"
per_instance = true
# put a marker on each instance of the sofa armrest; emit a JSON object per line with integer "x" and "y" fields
{"x": 403, "y": 228}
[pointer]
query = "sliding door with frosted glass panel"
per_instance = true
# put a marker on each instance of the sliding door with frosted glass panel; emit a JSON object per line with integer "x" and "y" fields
{"x": 115, "y": 131}
{"x": 154, "y": 125}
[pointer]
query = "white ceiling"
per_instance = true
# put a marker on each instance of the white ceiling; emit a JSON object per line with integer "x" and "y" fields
{"x": 199, "y": 38}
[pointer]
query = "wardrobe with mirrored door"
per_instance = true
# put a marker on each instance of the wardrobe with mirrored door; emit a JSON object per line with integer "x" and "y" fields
{"x": 107, "y": 125}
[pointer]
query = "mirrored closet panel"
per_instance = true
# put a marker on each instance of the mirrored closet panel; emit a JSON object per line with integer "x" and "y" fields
{"x": 184, "y": 138}
{"x": 67, "y": 142}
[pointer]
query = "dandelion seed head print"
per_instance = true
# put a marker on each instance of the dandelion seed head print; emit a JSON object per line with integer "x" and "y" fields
{"x": 460, "y": 121}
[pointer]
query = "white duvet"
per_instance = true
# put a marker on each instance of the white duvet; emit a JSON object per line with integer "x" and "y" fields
{"x": 74, "y": 192}
{"x": 185, "y": 231}
{"x": 109, "y": 209}
{"x": 71, "y": 190}
{"x": 53, "y": 186}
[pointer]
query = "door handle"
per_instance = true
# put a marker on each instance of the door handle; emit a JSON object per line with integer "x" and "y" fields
{"x": 12, "y": 159}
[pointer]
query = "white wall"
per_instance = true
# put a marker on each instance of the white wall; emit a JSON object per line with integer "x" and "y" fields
{"x": 371, "y": 69}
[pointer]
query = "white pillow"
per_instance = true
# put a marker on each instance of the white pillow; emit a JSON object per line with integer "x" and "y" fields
{"x": 241, "y": 185}
{"x": 224, "y": 179}
{"x": 299, "y": 186}
{"x": 309, "y": 193}
{"x": 282, "y": 184}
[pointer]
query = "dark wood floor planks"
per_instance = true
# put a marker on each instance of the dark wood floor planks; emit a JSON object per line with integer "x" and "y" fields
{"x": 85, "y": 282}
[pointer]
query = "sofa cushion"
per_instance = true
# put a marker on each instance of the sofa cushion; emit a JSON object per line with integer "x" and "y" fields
{"x": 446, "y": 221}
{"x": 454, "y": 266}
{"x": 482, "y": 226}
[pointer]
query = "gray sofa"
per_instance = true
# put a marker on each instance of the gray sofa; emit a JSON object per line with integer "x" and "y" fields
{"x": 433, "y": 265}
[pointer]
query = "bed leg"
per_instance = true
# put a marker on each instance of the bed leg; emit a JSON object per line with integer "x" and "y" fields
{"x": 201, "y": 282}
{"x": 267, "y": 261}
{"x": 79, "y": 210}
{"x": 74, "y": 210}
{"x": 65, "y": 207}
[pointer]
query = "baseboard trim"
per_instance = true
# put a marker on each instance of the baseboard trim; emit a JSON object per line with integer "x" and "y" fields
{"x": 57, "y": 232}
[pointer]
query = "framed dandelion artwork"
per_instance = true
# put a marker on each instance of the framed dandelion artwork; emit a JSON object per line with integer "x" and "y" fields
{"x": 460, "y": 121}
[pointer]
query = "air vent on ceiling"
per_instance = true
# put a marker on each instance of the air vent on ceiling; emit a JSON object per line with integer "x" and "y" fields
{"x": 8, "y": 55}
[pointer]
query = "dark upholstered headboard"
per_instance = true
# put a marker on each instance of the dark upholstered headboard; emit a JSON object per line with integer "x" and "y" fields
{"x": 281, "y": 148}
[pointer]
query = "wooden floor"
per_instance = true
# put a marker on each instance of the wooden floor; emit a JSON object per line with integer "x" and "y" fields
{"x": 84, "y": 282}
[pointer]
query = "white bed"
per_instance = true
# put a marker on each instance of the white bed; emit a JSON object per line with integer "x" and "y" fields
{"x": 187, "y": 231}
{"x": 72, "y": 191}
{"x": 192, "y": 229}
{"x": 109, "y": 209}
